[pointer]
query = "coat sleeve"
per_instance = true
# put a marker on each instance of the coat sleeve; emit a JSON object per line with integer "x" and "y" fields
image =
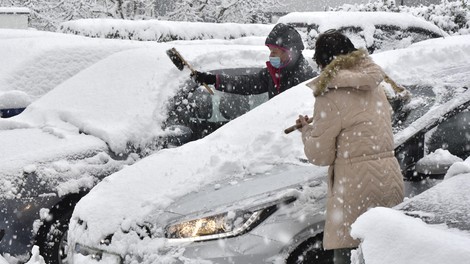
{"x": 256, "y": 83}
{"x": 320, "y": 138}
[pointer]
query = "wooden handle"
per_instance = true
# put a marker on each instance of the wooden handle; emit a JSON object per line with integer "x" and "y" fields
{"x": 208, "y": 88}
{"x": 297, "y": 126}
{"x": 192, "y": 69}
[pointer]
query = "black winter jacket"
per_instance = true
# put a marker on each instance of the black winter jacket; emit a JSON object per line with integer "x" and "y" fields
{"x": 269, "y": 79}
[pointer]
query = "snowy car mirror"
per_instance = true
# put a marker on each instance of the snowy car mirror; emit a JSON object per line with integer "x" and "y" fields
{"x": 437, "y": 163}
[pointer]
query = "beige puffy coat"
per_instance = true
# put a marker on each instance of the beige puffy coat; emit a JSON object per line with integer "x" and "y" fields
{"x": 352, "y": 134}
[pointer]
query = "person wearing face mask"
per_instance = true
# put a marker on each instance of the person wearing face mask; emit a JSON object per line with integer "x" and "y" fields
{"x": 286, "y": 67}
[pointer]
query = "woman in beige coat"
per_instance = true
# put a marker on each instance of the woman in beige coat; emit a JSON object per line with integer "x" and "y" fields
{"x": 352, "y": 134}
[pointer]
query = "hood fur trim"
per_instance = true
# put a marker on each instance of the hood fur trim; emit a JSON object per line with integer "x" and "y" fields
{"x": 347, "y": 61}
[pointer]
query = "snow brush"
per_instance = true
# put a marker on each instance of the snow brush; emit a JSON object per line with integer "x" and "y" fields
{"x": 180, "y": 62}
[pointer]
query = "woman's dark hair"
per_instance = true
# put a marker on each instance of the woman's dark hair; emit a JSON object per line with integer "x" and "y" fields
{"x": 329, "y": 44}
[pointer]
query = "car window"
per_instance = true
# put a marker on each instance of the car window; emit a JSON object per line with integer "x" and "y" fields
{"x": 452, "y": 135}
{"x": 450, "y": 131}
{"x": 388, "y": 37}
{"x": 423, "y": 97}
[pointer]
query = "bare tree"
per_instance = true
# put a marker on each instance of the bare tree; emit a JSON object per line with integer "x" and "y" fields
{"x": 48, "y": 14}
{"x": 218, "y": 11}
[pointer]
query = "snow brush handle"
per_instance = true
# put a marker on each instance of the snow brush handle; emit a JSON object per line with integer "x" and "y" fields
{"x": 297, "y": 126}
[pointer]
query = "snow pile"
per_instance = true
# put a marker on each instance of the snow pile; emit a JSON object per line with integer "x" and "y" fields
{"x": 36, "y": 258}
{"x": 439, "y": 160}
{"x": 14, "y": 99}
{"x": 390, "y": 237}
{"x": 442, "y": 155}
{"x": 14, "y": 10}
{"x": 458, "y": 168}
{"x": 161, "y": 31}
{"x": 444, "y": 238}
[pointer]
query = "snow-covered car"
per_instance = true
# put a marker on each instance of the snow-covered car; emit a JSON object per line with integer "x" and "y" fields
{"x": 114, "y": 111}
{"x": 436, "y": 217}
{"x": 34, "y": 62}
{"x": 245, "y": 193}
{"x": 376, "y": 31}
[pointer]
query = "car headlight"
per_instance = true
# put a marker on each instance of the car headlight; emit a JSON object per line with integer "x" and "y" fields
{"x": 224, "y": 225}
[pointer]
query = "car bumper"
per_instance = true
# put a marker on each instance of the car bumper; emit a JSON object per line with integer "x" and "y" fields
{"x": 17, "y": 223}
{"x": 253, "y": 247}
{"x": 250, "y": 249}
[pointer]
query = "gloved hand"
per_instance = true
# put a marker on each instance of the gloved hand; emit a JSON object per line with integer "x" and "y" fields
{"x": 204, "y": 77}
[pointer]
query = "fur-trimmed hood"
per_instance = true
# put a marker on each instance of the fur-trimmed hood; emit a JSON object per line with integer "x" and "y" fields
{"x": 355, "y": 69}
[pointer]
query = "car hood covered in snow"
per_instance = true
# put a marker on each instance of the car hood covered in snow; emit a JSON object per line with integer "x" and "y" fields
{"x": 431, "y": 227}
{"x": 229, "y": 195}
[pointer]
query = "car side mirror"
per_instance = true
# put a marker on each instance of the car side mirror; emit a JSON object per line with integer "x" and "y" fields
{"x": 436, "y": 164}
{"x": 177, "y": 135}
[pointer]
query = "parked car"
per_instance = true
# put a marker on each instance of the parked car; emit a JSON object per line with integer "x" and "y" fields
{"x": 376, "y": 31}
{"x": 35, "y": 62}
{"x": 105, "y": 117}
{"x": 245, "y": 193}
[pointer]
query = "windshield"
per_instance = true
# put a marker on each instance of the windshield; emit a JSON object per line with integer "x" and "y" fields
{"x": 423, "y": 99}
{"x": 432, "y": 120}
{"x": 201, "y": 113}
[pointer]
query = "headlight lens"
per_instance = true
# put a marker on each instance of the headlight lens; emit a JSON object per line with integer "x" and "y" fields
{"x": 218, "y": 226}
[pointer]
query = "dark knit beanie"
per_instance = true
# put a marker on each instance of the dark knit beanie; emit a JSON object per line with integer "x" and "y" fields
{"x": 330, "y": 44}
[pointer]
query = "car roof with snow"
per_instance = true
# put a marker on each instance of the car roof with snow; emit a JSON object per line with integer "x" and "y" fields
{"x": 36, "y": 62}
{"x": 366, "y": 20}
{"x": 376, "y": 31}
